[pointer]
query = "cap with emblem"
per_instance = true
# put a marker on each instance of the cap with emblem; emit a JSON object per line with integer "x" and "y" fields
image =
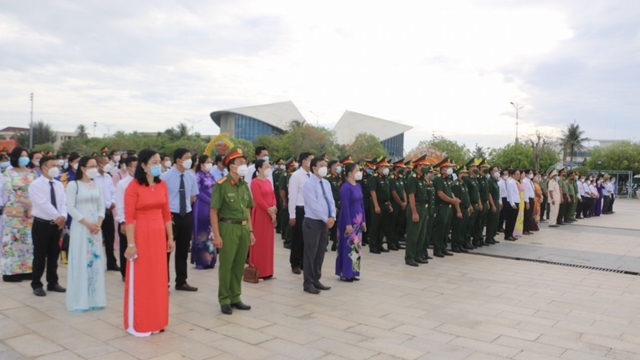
{"x": 408, "y": 164}
{"x": 324, "y": 157}
{"x": 484, "y": 164}
{"x": 399, "y": 163}
{"x": 280, "y": 161}
{"x": 346, "y": 160}
{"x": 473, "y": 162}
{"x": 382, "y": 162}
{"x": 290, "y": 162}
{"x": 233, "y": 153}
{"x": 422, "y": 160}
{"x": 462, "y": 169}
{"x": 444, "y": 163}
{"x": 370, "y": 162}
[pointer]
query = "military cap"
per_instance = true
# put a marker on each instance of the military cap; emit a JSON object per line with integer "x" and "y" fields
{"x": 408, "y": 164}
{"x": 443, "y": 163}
{"x": 462, "y": 169}
{"x": 399, "y": 163}
{"x": 370, "y": 162}
{"x": 290, "y": 162}
{"x": 324, "y": 157}
{"x": 422, "y": 160}
{"x": 346, "y": 160}
{"x": 280, "y": 161}
{"x": 484, "y": 164}
{"x": 382, "y": 162}
{"x": 474, "y": 162}
{"x": 233, "y": 153}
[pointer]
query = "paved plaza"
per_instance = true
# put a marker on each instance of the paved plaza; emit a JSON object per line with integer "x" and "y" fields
{"x": 463, "y": 307}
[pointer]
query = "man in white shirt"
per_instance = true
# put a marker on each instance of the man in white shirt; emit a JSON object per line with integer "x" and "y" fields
{"x": 581, "y": 197}
{"x": 108, "y": 225}
{"x": 131, "y": 162}
{"x": 114, "y": 162}
{"x": 529, "y": 198}
{"x": 513, "y": 202}
{"x": 296, "y": 210}
{"x": 219, "y": 171}
{"x": 502, "y": 185}
{"x": 49, "y": 211}
{"x": 261, "y": 153}
{"x": 607, "y": 193}
{"x": 593, "y": 192}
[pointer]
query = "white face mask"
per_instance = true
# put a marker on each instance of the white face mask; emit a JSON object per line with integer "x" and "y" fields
{"x": 75, "y": 166}
{"x": 358, "y": 176}
{"x": 60, "y": 162}
{"x": 53, "y": 172}
{"x": 282, "y": 167}
{"x": 187, "y": 163}
{"x": 167, "y": 164}
{"x": 107, "y": 168}
{"x": 36, "y": 162}
{"x": 208, "y": 167}
{"x": 91, "y": 173}
{"x": 530, "y": 176}
{"x": 449, "y": 171}
{"x": 268, "y": 172}
{"x": 116, "y": 158}
{"x": 385, "y": 172}
{"x": 496, "y": 175}
{"x": 242, "y": 170}
{"x": 323, "y": 171}
{"x": 505, "y": 177}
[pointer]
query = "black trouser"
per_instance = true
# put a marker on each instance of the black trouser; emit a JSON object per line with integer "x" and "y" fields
{"x": 108, "y": 234}
{"x": 561, "y": 210}
{"x": 333, "y": 232}
{"x": 613, "y": 199}
{"x": 528, "y": 214}
{"x": 315, "y": 239}
{"x": 123, "y": 248}
{"x": 512, "y": 216}
{"x": 579, "y": 208}
{"x": 46, "y": 249}
{"x": 297, "y": 242}
{"x": 543, "y": 207}
{"x": 592, "y": 206}
{"x": 503, "y": 213}
{"x": 606, "y": 202}
{"x": 586, "y": 206}
{"x": 567, "y": 207}
{"x": 182, "y": 229}
{"x": 368, "y": 218}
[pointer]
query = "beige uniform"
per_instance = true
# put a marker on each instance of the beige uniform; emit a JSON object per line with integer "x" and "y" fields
{"x": 554, "y": 196}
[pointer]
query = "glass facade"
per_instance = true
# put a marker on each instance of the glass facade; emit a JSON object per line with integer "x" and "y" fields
{"x": 394, "y": 146}
{"x": 249, "y": 128}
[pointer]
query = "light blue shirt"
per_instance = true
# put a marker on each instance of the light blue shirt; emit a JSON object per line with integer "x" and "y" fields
{"x": 218, "y": 174}
{"x": 315, "y": 200}
{"x": 172, "y": 178}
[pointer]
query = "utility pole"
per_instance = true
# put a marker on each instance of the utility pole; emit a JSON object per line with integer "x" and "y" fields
{"x": 31, "y": 126}
{"x": 108, "y": 126}
{"x": 193, "y": 122}
{"x": 95, "y": 123}
{"x": 517, "y": 107}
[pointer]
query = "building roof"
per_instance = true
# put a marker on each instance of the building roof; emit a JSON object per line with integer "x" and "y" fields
{"x": 14, "y": 129}
{"x": 278, "y": 115}
{"x": 352, "y": 123}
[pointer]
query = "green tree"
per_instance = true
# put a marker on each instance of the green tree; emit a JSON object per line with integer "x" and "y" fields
{"x": 479, "y": 152}
{"x": 81, "y": 130}
{"x": 273, "y": 143}
{"x": 572, "y": 140}
{"x": 458, "y": 152}
{"x": 365, "y": 146}
{"x": 541, "y": 150}
{"x": 304, "y": 137}
{"x": 515, "y": 155}
{"x": 45, "y": 148}
{"x": 22, "y": 138}
{"x": 621, "y": 155}
{"x": 42, "y": 133}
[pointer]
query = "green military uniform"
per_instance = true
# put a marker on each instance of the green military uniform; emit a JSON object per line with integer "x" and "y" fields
{"x": 366, "y": 198}
{"x": 443, "y": 212}
{"x": 474, "y": 197}
{"x": 416, "y": 231}
{"x": 431, "y": 215}
{"x": 335, "y": 181}
{"x": 286, "y": 231}
{"x": 233, "y": 200}
{"x": 380, "y": 226}
{"x": 544, "y": 186}
{"x": 398, "y": 218}
{"x": 573, "y": 191}
{"x": 276, "y": 189}
{"x": 481, "y": 220}
{"x": 458, "y": 225}
{"x": 493, "y": 218}
{"x": 562, "y": 218}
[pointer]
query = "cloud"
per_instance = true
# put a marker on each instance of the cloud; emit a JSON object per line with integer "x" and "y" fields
{"x": 450, "y": 68}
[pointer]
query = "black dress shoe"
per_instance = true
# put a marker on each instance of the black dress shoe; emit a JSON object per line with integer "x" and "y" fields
{"x": 186, "y": 287}
{"x": 393, "y": 248}
{"x": 113, "y": 268}
{"x": 422, "y": 261}
{"x": 334, "y": 247}
{"x": 495, "y": 241}
{"x": 384, "y": 250}
{"x": 456, "y": 250}
{"x": 319, "y": 286}
{"x": 296, "y": 271}
{"x": 312, "y": 291}
{"x": 501, "y": 230}
{"x": 287, "y": 246}
{"x": 226, "y": 309}
{"x": 56, "y": 288}
{"x": 412, "y": 263}
{"x": 375, "y": 251}
{"x": 39, "y": 292}
{"x": 440, "y": 255}
{"x": 346, "y": 280}
{"x": 554, "y": 226}
{"x": 468, "y": 247}
{"x": 241, "y": 306}
{"x": 477, "y": 244}
{"x": 463, "y": 250}
{"x": 446, "y": 253}
{"x": 510, "y": 238}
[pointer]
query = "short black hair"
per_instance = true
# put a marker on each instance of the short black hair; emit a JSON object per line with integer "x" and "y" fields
{"x": 113, "y": 152}
{"x": 527, "y": 171}
{"x": 177, "y": 154}
{"x": 218, "y": 159}
{"x": 143, "y": 158}
{"x": 331, "y": 163}
{"x": 128, "y": 160}
{"x": 260, "y": 149}
{"x": 15, "y": 154}
{"x": 513, "y": 171}
{"x": 44, "y": 159}
{"x": 304, "y": 156}
{"x": 314, "y": 162}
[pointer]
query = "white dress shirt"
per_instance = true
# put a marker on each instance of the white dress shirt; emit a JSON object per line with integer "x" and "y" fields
{"x": 502, "y": 185}
{"x": 40, "y": 196}
{"x": 593, "y": 191}
{"x": 298, "y": 179}
{"x": 581, "y": 192}
{"x": 529, "y": 192}
{"x": 108, "y": 190}
{"x": 120, "y": 190}
{"x": 250, "y": 170}
{"x": 585, "y": 190}
{"x": 513, "y": 194}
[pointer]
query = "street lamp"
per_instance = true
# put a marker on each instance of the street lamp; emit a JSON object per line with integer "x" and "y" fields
{"x": 31, "y": 126}
{"x": 599, "y": 165}
{"x": 517, "y": 107}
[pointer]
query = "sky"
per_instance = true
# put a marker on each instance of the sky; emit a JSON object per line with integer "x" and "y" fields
{"x": 447, "y": 68}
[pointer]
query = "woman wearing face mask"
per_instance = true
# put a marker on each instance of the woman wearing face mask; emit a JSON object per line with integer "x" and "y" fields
{"x": 203, "y": 253}
{"x": 535, "y": 226}
{"x": 149, "y": 239}
{"x": 70, "y": 172}
{"x": 34, "y": 162}
{"x": 599, "y": 187}
{"x": 334, "y": 178}
{"x": 17, "y": 255}
{"x": 263, "y": 217}
{"x": 4, "y": 163}
{"x": 351, "y": 224}
{"x": 85, "y": 275}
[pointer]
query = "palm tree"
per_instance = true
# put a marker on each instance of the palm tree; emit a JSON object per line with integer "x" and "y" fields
{"x": 82, "y": 132}
{"x": 182, "y": 130}
{"x": 572, "y": 140}
{"x": 42, "y": 133}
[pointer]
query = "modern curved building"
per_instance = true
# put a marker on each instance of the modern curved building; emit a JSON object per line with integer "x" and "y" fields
{"x": 391, "y": 134}
{"x": 249, "y": 122}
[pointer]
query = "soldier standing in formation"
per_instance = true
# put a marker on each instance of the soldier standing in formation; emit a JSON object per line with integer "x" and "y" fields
{"x": 399, "y": 204}
{"x": 416, "y": 212}
{"x": 459, "y": 225}
{"x": 445, "y": 201}
{"x": 334, "y": 178}
{"x": 381, "y": 208}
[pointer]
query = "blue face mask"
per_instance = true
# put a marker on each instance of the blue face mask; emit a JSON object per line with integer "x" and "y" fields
{"x": 266, "y": 158}
{"x": 369, "y": 171}
{"x": 156, "y": 170}
{"x": 23, "y": 161}
{"x": 4, "y": 165}
{"x": 339, "y": 169}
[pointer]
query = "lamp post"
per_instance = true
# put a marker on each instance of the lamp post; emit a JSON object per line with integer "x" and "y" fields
{"x": 517, "y": 107}
{"x": 31, "y": 126}
{"x": 599, "y": 165}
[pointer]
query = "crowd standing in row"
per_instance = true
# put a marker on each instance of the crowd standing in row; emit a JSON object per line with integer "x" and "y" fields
{"x": 224, "y": 211}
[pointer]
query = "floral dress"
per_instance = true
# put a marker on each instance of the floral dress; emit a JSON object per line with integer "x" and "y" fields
{"x": 85, "y": 275}
{"x": 350, "y": 246}
{"x": 17, "y": 245}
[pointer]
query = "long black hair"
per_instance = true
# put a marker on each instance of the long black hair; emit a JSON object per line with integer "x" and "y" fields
{"x": 143, "y": 158}
{"x": 347, "y": 169}
{"x": 83, "y": 162}
{"x": 259, "y": 164}
{"x": 15, "y": 155}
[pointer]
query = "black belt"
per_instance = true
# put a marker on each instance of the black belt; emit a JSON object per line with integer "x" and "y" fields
{"x": 235, "y": 222}
{"x": 443, "y": 205}
{"x": 299, "y": 207}
{"x": 422, "y": 204}
{"x": 47, "y": 222}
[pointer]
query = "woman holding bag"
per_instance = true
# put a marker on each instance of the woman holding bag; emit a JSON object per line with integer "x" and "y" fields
{"x": 263, "y": 217}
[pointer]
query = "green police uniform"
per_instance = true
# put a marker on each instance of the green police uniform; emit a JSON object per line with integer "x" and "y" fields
{"x": 573, "y": 192}
{"x": 443, "y": 215}
{"x": 396, "y": 185}
{"x": 379, "y": 184}
{"x": 565, "y": 201}
{"x": 544, "y": 212}
{"x": 416, "y": 231}
{"x": 335, "y": 182}
{"x": 233, "y": 201}
{"x": 458, "y": 225}
{"x": 493, "y": 218}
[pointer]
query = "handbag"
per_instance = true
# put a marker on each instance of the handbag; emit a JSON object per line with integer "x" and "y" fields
{"x": 251, "y": 274}
{"x": 15, "y": 211}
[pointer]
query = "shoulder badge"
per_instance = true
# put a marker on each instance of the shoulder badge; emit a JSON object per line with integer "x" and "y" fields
{"x": 221, "y": 181}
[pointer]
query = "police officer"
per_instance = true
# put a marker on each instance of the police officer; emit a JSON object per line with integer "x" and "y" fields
{"x": 283, "y": 216}
{"x": 399, "y": 204}
{"x": 445, "y": 201}
{"x": 459, "y": 225}
{"x": 231, "y": 224}
{"x": 381, "y": 208}
{"x": 334, "y": 178}
{"x": 416, "y": 212}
